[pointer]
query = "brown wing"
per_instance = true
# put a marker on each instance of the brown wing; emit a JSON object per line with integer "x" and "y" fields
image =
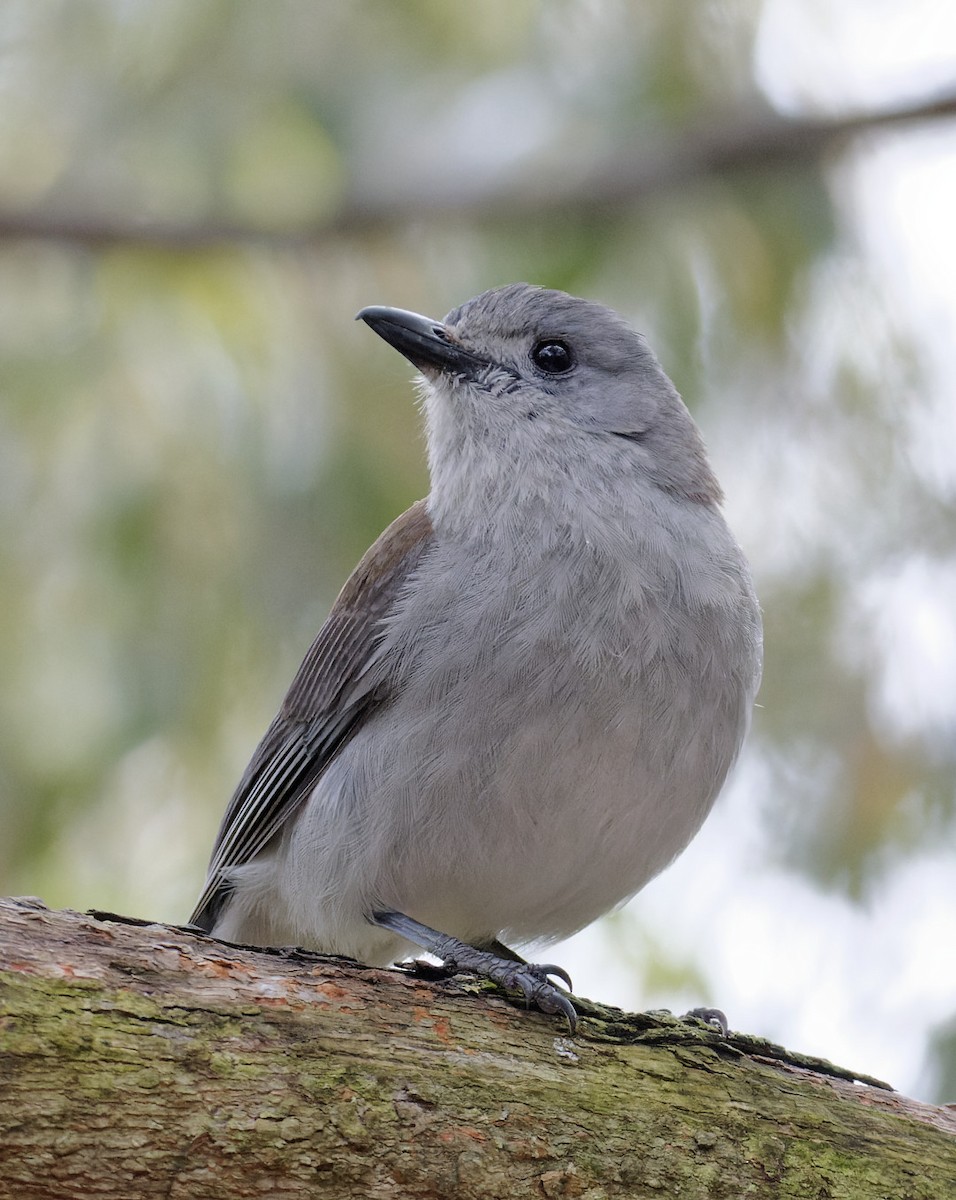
{"x": 322, "y": 709}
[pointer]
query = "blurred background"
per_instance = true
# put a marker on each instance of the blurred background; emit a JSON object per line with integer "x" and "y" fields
{"x": 197, "y": 441}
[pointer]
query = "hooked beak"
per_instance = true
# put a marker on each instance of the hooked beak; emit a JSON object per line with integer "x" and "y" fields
{"x": 427, "y": 344}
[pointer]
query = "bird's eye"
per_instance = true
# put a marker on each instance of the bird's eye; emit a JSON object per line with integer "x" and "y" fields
{"x": 552, "y": 356}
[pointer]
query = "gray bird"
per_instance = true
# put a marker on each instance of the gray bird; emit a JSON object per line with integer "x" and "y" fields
{"x": 530, "y": 690}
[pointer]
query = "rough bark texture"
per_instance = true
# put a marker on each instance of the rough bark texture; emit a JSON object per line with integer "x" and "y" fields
{"x": 142, "y": 1060}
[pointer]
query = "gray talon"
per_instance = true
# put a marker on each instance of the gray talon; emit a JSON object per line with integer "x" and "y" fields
{"x": 557, "y": 1002}
{"x": 546, "y": 969}
{"x": 710, "y": 1016}
{"x": 531, "y": 979}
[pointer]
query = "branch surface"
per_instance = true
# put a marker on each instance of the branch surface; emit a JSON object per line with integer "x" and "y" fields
{"x": 141, "y": 1060}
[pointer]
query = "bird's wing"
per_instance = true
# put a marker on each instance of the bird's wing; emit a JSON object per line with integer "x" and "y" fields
{"x": 323, "y": 708}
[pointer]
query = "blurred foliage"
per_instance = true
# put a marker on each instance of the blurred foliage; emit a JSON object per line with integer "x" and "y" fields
{"x": 196, "y": 444}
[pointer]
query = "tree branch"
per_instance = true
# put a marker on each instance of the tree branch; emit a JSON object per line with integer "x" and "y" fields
{"x": 142, "y": 1060}
{"x": 542, "y": 191}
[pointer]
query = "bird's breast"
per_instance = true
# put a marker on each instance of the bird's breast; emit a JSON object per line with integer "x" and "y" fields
{"x": 557, "y": 737}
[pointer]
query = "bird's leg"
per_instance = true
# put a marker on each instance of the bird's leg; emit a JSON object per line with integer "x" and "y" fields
{"x": 435, "y": 970}
{"x": 531, "y": 979}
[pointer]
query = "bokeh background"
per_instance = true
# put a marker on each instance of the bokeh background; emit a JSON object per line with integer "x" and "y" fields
{"x": 197, "y": 441}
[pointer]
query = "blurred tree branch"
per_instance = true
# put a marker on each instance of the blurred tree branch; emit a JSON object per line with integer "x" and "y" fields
{"x": 761, "y": 142}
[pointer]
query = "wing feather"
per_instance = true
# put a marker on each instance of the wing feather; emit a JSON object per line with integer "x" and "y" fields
{"x": 325, "y": 705}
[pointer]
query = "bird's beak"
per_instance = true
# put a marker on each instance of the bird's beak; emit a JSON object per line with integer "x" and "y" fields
{"x": 427, "y": 344}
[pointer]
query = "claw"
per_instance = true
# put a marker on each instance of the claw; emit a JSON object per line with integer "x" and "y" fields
{"x": 531, "y": 979}
{"x": 710, "y": 1016}
{"x": 557, "y": 1002}
{"x": 546, "y": 969}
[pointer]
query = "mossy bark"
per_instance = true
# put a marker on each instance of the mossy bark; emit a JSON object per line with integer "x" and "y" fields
{"x": 142, "y": 1060}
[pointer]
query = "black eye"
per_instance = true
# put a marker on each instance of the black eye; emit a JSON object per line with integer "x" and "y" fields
{"x": 552, "y": 356}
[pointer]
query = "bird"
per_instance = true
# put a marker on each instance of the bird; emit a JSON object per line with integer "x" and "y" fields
{"x": 530, "y": 690}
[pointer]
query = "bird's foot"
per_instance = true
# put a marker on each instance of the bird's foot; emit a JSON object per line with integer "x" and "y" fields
{"x": 531, "y": 979}
{"x": 710, "y": 1016}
